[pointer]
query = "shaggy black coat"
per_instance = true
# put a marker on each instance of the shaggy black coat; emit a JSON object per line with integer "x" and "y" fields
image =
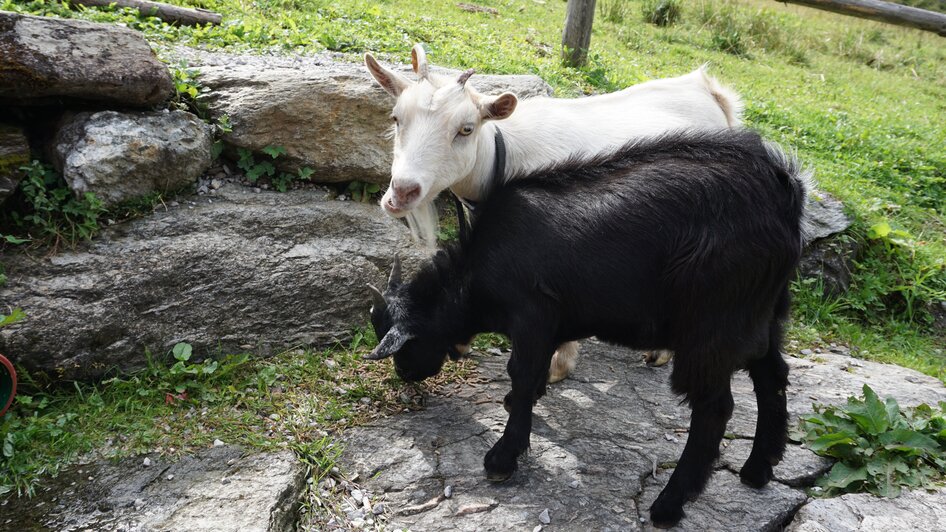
{"x": 686, "y": 242}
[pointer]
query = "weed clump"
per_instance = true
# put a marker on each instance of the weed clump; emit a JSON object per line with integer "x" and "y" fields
{"x": 661, "y": 12}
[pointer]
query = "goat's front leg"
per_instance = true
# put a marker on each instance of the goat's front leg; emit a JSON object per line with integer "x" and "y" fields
{"x": 528, "y": 370}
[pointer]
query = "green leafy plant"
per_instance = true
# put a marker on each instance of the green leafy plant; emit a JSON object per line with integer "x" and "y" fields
{"x": 187, "y": 89}
{"x": 880, "y": 447}
{"x": 221, "y": 127}
{"x": 184, "y": 381}
{"x": 14, "y": 316}
{"x": 51, "y": 212}
{"x": 257, "y": 169}
{"x": 361, "y": 191}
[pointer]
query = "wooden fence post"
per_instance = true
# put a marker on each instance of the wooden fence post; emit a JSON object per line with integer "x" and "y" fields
{"x": 577, "y": 35}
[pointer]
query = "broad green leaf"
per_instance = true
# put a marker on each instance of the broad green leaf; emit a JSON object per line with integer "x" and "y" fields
{"x": 884, "y": 472}
{"x": 182, "y": 351}
{"x": 16, "y": 315}
{"x": 879, "y": 230}
{"x": 871, "y": 415}
{"x": 909, "y": 440}
{"x": 827, "y": 441}
{"x": 14, "y": 240}
{"x": 841, "y": 475}
{"x": 274, "y": 151}
{"x": 893, "y": 412}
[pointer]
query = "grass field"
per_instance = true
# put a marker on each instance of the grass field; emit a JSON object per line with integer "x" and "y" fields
{"x": 863, "y": 103}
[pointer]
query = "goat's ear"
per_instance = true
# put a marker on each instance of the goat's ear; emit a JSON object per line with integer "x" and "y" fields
{"x": 390, "y": 81}
{"x": 499, "y": 107}
{"x": 392, "y": 342}
{"x": 419, "y": 61}
{"x": 377, "y": 298}
{"x": 394, "y": 280}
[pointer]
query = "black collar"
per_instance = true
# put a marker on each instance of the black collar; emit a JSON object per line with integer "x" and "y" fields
{"x": 499, "y": 172}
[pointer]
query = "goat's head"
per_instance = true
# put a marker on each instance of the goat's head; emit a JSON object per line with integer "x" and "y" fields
{"x": 437, "y": 122}
{"x": 405, "y": 333}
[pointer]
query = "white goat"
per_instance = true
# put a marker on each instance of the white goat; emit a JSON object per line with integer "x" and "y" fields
{"x": 445, "y": 137}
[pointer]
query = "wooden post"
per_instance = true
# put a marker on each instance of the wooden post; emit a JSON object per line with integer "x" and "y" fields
{"x": 882, "y": 11}
{"x": 165, "y": 12}
{"x": 577, "y": 35}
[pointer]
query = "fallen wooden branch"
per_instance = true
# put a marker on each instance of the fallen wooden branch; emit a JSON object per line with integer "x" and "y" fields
{"x": 473, "y": 8}
{"x": 165, "y": 12}
{"x": 882, "y": 11}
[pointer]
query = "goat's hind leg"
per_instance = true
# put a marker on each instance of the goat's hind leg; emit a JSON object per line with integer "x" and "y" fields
{"x": 563, "y": 361}
{"x": 528, "y": 371}
{"x": 769, "y": 376}
{"x": 712, "y": 405}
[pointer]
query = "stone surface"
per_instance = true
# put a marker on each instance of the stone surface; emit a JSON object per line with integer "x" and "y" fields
{"x": 799, "y": 467}
{"x": 829, "y": 255}
{"x": 330, "y": 116}
{"x": 122, "y": 156}
{"x": 47, "y": 59}
{"x": 598, "y": 440}
{"x": 219, "y": 489}
{"x": 227, "y": 273}
{"x": 824, "y": 216}
{"x": 14, "y": 153}
{"x": 913, "y": 510}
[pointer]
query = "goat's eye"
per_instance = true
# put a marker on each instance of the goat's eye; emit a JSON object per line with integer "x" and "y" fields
{"x": 394, "y": 119}
{"x": 466, "y": 130}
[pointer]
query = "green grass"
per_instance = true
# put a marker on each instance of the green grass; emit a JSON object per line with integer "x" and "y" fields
{"x": 297, "y": 400}
{"x": 863, "y": 103}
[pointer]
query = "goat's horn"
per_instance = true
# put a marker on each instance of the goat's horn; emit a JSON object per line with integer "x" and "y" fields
{"x": 395, "y": 278}
{"x": 419, "y": 61}
{"x": 392, "y": 342}
{"x": 377, "y": 297}
{"x": 464, "y": 77}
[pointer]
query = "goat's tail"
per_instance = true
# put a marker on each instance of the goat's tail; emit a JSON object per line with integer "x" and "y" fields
{"x": 730, "y": 102}
{"x": 800, "y": 184}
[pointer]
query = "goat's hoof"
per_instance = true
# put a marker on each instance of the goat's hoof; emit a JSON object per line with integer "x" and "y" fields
{"x": 756, "y": 473}
{"x": 499, "y": 465}
{"x": 497, "y": 477}
{"x": 664, "y": 514}
{"x": 658, "y": 358}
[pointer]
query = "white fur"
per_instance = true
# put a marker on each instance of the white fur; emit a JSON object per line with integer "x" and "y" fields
{"x": 539, "y": 132}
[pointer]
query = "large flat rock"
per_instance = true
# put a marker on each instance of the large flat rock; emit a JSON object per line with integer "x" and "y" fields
{"x": 234, "y": 272}
{"x": 220, "y": 489}
{"x": 47, "y": 60}
{"x": 918, "y": 511}
{"x": 329, "y": 115}
{"x": 604, "y": 444}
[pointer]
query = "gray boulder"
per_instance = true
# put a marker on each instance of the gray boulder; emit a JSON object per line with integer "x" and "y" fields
{"x": 917, "y": 510}
{"x": 14, "y": 153}
{"x": 49, "y": 59}
{"x": 228, "y": 273}
{"x": 218, "y": 489}
{"x": 604, "y": 444}
{"x": 122, "y": 156}
{"x": 328, "y": 115}
{"x": 829, "y": 254}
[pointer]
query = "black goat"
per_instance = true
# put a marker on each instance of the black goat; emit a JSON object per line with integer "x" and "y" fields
{"x": 686, "y": 242}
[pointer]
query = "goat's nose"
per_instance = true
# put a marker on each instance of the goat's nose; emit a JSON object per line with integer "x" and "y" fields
{"x": 406, "y": 193}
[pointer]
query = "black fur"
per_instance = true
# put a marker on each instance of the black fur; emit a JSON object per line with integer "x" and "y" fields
{"x": 686, "y": 242}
